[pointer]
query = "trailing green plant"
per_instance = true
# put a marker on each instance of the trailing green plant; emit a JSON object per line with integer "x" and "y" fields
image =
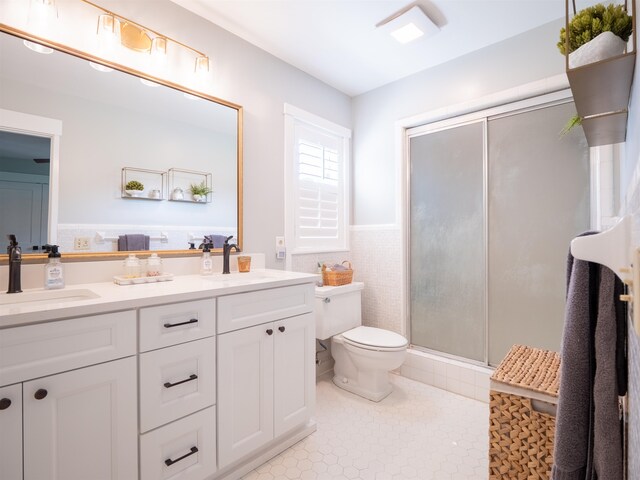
{"x": 587, "y": 24}
{"x": 573, "y": 122}
{"x": 200, "y": 189}
{"x": 134, "y": 185}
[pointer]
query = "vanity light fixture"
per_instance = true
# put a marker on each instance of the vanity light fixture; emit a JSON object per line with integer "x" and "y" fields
{"x": 409, "y": 25}
{"x": 139, "y": 38}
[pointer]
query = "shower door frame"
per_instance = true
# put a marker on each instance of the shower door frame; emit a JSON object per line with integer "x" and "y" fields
{"x": 453, "y": 120}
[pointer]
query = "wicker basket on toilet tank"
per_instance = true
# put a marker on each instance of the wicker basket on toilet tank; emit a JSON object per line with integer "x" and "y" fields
{"x": 523, "y": 400}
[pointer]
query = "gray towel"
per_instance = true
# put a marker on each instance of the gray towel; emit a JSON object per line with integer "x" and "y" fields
{"x": 588, "y": 438}
{"x": 216, "y": 240}
{"x": 133, "y": 242}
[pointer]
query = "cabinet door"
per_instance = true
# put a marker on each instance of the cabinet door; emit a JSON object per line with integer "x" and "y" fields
{"x": 11, "y": 432}
{"x": 82, "y": 424}
{"x": 245, "y": 391}
{"x": 294, "y": 372}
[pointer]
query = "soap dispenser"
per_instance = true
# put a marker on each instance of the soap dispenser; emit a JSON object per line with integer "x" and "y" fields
{"x": 206, "y": 267}
{"x": 53, "y": 270}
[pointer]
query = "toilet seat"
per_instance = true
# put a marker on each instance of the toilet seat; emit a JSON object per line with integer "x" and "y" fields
{"x": 378, "y": 339}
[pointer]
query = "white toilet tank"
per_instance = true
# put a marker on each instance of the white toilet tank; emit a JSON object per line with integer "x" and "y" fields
{"x": 338, "y": 309}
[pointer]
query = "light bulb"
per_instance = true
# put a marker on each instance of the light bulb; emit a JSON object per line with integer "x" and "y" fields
{"x": 100, "y": 68}
{"x": 202, "y": 65}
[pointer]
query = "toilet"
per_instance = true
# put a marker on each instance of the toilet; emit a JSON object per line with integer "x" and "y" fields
{"x": 363, "y": 355}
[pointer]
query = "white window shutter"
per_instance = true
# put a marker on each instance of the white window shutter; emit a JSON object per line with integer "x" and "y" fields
{"x": 317, "y": 197}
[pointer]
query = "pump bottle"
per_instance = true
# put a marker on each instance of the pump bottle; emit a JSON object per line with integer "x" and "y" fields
{"x": 54, "y": 270}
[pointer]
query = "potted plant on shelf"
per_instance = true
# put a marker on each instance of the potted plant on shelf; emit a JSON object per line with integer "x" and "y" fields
{"x": 596, "y": 33}
{"x": 134, "y": 188}
{"x": 199, "y": 191}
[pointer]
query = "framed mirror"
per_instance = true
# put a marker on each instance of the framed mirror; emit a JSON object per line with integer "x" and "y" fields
{"x": 107, "y": 129}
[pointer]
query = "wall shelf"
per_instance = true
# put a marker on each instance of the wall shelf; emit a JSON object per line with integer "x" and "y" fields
{"x": 153, "y": 181}
{"x": 180, "y": 181}
{"x": 601, "y": 92}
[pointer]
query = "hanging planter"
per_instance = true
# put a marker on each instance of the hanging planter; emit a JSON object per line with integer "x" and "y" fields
{"x": 596, "y": 33}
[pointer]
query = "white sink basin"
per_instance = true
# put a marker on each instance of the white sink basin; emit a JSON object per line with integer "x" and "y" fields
{"x": 39, "y": 297}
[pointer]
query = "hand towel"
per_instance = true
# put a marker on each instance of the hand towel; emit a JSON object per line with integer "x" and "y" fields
{"x": 588, "y": 438}
{"x": 133, "y": 242}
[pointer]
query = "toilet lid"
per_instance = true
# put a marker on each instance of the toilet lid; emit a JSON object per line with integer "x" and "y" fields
{"x": 375, "y": 337}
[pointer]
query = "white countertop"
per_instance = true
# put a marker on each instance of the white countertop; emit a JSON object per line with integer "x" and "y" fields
{"x": 112, "y": 297}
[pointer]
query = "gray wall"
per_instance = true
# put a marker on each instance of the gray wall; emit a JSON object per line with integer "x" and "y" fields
{"x": 528, "y": 57}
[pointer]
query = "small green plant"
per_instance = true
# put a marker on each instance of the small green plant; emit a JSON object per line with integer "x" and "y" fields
{"x": 134, "y": 185}
{"x": 200, "y": 189}
{"x": 587, "y": 24}
{"x": 573, "y": 122}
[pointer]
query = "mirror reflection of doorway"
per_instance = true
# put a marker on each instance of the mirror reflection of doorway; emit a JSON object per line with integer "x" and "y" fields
{"x": 24, "y": 188}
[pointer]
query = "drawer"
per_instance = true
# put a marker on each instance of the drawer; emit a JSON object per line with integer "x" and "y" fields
{"x": 176, "y": 381}
{"x": 252, "y": 308}
{"x": 175, "y": 323}
{"x": 184, "y": 449}
{"x": 37, "y": 350}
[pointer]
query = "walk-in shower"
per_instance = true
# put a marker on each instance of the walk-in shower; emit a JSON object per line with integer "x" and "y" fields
{"x": 494, "y": 199}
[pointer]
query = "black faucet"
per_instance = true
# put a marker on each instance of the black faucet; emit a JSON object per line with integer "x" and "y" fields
{"x": 15, "y": 261}
{"x": 226, "y": 251}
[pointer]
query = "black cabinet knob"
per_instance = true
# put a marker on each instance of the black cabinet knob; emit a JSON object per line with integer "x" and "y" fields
{"x": 269, "y": 331}
{"x": 40, "y": 394}
{"x": 5, "y": 403}
{"x": 281, "y": 329}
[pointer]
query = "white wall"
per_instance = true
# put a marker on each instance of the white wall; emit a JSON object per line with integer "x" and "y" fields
{"x": 530, "y": 56}
{"x": 245, "y": 75}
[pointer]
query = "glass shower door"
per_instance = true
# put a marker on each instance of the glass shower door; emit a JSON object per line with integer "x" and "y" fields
{"x": 447, "y": 240}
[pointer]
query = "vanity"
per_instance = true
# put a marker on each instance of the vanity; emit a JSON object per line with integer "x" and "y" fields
{"x": 199, "y": 378}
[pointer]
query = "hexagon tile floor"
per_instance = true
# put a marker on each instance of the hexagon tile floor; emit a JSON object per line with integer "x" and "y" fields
{"x": 418, "y": 432}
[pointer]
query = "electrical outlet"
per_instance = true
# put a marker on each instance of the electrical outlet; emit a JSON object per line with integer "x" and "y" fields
{"x": 81, "y": 243}
{"x": 281, "y": 249}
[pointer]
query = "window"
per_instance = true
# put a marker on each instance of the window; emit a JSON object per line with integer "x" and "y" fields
{"x": 316, "y": 183}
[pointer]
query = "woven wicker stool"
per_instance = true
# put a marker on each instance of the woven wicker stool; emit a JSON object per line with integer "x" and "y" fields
{"x": 523, "y": 399}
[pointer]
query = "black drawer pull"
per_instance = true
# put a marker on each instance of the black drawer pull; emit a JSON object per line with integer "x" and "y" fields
{"x": 193, "y": 376}
{"x": 170, "y": 462}
{"x": 169, "y": 325}
{"x": 40, "y": 394}
{"x": 281, "y": 329}
{"x": 5, "y": 403}
{"x": 269, "y": 331}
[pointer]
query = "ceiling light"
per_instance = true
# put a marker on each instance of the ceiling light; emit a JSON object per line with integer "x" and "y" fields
{"x": 406, "y": 26}
{"x": 36, "y": 47}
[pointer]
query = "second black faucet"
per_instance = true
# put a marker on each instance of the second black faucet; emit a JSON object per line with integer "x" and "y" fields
{"x": 226, "y": 252}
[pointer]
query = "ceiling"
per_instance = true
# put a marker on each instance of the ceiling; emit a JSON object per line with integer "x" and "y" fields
{"x": 337, "y": 41}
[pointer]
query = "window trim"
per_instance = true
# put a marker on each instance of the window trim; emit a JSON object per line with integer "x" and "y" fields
{"x": 292, "y": 116}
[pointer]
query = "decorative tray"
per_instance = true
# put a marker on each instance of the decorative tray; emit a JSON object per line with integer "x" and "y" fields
{"x": 122, "y": 280}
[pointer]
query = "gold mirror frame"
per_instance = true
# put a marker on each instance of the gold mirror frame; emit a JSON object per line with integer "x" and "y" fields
{"x": 96, "y": 256}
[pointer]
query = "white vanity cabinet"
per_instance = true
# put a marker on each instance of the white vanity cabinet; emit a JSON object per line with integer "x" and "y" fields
{"x": 266, "y": 370}
{"x": 177, "y": 366}
{"x": 80, "y": 423}
{"x": 11, "y": 431}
